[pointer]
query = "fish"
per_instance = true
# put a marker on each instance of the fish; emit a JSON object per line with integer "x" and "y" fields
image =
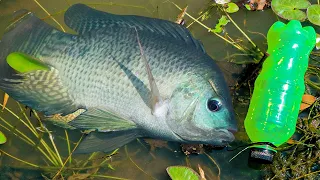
{"x": 118, "y": 78}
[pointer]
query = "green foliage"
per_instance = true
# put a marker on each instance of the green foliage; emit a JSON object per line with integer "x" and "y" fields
{"x": 223, "y": 21}
{"x": 290, "y": 9}
{"x": 3, "y": 138}
{"x": 182, "y": 173}
{"x": 232, "y": 8}
{"x": 313, "y": 13}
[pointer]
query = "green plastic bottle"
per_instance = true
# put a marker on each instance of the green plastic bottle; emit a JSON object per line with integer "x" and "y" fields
{"x": 278, "y": 90}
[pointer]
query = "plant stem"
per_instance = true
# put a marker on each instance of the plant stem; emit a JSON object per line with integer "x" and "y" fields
{"x": 31, "y": 164}
{"x": 68, "y": 144}
{"x": 63, "y": 165}
{"x": 49, "y": 15}
{"x": 215, "y": 163}
{"x": 209, "y": 29}
{"x": 305, "y": 175}
{"x": 26, "y": 139}
{"x": 126, "y": 150}
{"x": 55, "y": 148}
{"x": 245, "y": 35}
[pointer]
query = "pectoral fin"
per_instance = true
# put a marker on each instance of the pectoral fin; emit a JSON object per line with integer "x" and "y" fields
{"x": 101, "y": 120}
{"x": 156, "y": 100}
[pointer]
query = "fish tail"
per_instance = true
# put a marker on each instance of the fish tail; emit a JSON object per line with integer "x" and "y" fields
{"x": 25, "y": 34}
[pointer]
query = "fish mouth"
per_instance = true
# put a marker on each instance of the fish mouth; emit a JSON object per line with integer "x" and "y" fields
{"x": 225, "y": 136}
{"x": 218, "y": 137}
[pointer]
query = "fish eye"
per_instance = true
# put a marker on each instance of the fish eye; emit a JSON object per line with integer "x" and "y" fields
{"x": 213, "y": 105}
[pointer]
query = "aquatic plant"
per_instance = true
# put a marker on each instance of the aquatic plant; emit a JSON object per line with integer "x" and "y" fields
{"x": 292, "y": 10}
{"x": 254, "y": 53}
{"x": 299, "y": 158}
{"x": 39, "y": 138}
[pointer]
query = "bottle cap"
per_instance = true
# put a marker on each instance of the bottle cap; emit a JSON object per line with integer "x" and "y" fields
{"x": 262, "y": 153}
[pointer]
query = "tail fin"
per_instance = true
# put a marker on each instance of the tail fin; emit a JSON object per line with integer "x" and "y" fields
{"x": 25, "y": 34}
{"x": 41, "y": 90}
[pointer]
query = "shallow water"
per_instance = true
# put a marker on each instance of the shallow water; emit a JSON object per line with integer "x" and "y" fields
{"x": 151, "y": 163}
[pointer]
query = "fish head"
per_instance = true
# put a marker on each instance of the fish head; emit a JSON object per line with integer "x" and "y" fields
{"x": 202, "y": 112}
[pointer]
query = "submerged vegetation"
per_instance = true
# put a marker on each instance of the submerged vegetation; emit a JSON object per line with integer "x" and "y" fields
{"x": 297, "y": 159}
{"x": 42, "y": 141}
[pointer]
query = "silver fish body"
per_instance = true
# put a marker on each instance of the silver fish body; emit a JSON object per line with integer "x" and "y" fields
{"x": 101, "y": 71}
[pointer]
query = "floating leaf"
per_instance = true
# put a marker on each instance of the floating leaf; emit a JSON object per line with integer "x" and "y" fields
{"x": 182, "y": 173}
{"x": 290, "y": 9}
{"x": 313, "y": 13}
{"x": 318, "y": 42}
{"x": 232, "y": 8}
{"x": 222, "y": 22}
{"x": 307, "y": 101}
{"x": 3, "y": 138}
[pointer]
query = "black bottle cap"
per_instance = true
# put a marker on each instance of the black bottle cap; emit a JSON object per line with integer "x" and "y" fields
{"x": 262, "y": 154}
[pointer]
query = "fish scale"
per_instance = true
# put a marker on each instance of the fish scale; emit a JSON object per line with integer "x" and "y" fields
{"x": 98, "y": 80}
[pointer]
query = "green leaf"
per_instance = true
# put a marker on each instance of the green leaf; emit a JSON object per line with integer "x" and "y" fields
{"x": 24, "y": 63}
{"x": 223, "y": 21}
{"x": 232, "y": 8}
{"x": 182, "y": 173}
{"x": 3, "y": 138}
{"x": 247, "y": 7}
{"x": 313, "y": 13}
{"x": 290, "y": 9}
{"x": 318, "y": 42}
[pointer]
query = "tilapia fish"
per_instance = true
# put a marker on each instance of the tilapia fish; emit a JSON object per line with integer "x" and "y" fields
{"x": 119, "y": 77}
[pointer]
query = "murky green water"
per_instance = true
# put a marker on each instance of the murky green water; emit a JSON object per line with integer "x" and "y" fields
{"x": 151, "y": 163}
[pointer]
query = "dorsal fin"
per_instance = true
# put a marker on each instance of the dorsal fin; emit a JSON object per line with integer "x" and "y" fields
{"x": 82, "y": 19}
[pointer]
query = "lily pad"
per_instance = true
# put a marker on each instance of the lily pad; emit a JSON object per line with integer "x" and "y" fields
{"x": 3, "y": 138}
{"x": 182, "y": 173}
{"x": 313, "y": 13}
{"x": 290, "y": 9}
{"x": 232, "y": 8}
